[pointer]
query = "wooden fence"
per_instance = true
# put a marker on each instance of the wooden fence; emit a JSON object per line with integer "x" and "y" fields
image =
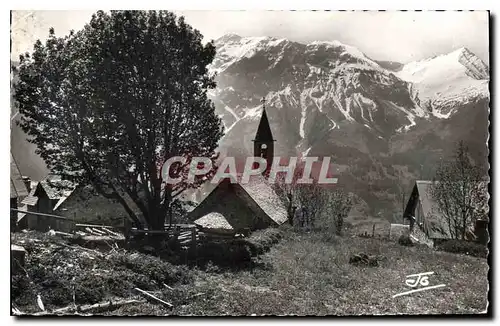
{"x": 186, "y": 235}
{"x": 382, "y": 230}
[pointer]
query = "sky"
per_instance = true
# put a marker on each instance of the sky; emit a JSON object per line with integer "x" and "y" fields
{"x": 392, "y": 36}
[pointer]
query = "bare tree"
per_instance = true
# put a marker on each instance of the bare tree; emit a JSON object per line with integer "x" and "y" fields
{"x": 326, "y": 208}
{"x": 337, "y": 206}
{"x": 460, "y": 191}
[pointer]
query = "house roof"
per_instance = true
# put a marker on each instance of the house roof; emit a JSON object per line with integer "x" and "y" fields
{"x": 17, "y": 186}
{"x": 214, "y": 221}
{"x": 436, "y": 223}
{"x": 31, "y": 199}
{"x": 264, "y": 195}
{"x": 57, "y": 188}
{"x": 261, "y": 193}
{"x": 54, "y": 187}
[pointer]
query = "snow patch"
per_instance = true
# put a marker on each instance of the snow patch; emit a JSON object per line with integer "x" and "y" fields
{"x": 254, "y": 113}
{"x": 303, "y": 114}
{"x": 228, "y": 109}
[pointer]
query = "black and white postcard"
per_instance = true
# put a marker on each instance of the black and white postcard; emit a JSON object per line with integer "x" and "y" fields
{"x": 249, "y": 163}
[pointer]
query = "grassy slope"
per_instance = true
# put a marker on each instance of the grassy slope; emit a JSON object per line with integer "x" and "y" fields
{"x": 301, "y": 275}
{"x": 307, "y": 276}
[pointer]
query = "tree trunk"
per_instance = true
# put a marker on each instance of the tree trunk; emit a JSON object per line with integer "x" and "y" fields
{"x": 290, "y": 209}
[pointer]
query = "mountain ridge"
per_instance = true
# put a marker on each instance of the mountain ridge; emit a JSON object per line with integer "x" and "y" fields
{"x": 329, "y": 99}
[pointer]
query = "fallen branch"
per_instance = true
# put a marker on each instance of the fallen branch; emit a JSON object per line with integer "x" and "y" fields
{"x": 107, "y": 305}
{"x": 64, "y": 234}
{"x": 91, "y": 231}
{"x": 197, "y": 295}
{"x": 85, "y": 249}
{"x": 99, "y": 232}
{"x": 103, "y": 306}
{"x": 168, "y": 287}
{"x": 111, "y": 232}
{"x": 153, "y": 297}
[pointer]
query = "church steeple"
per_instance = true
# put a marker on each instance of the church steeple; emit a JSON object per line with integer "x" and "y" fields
{"x": 264, "y": 142}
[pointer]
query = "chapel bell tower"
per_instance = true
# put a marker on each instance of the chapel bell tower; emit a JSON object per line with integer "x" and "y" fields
{"x": 264, "y": 143}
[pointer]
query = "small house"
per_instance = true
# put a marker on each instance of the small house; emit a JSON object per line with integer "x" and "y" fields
{"x": 238, "y": 207}
{"x": 45, "y": 198}
{"x": 428, "y": 224}
{"x": 75, "y": 203}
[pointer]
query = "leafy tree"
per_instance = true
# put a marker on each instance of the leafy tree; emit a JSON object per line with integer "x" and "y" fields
{"x": 460, "y": 191}
{"x": 110, "y": 103}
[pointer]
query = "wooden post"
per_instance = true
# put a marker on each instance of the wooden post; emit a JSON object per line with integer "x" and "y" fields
{"x": 18, "y": 255}
{"x": 373, "y": 231}
{"x": 126, "y": 231}
{"x": 194, "y": 245}
{"x": 403, "y": 208}
{"x": 177, "y": 232}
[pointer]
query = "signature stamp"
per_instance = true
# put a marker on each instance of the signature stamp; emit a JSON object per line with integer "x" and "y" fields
{"x": 418, "y": 282}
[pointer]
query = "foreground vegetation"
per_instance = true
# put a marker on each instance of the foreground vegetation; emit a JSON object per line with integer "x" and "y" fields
{"x": 303, "y": 274}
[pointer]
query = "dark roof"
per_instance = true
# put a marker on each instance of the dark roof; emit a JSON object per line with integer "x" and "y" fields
{"x": 56, "y": 188}
{"x": 264, "y": 130}
{"x": 17, "y": 187}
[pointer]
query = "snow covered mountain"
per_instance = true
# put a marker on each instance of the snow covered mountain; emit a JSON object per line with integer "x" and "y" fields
{"x": 448, "y": 80}
{"x": 328, "y": 98}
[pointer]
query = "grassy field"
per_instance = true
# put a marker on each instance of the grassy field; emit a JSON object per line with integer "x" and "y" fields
{"x": 304, "y": 274}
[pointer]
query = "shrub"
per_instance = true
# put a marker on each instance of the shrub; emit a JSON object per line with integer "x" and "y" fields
{"x": 153, "y": 267}
{"x": 464, "y": 247}
{"x": 261, "y": 241}
{"x": 225, "y": 253}
{"x": 89, "y": 289}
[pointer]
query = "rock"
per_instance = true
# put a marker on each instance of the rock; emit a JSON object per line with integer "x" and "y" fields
{"x": 363, "y": 259}
{"x": 405, "y": 240}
